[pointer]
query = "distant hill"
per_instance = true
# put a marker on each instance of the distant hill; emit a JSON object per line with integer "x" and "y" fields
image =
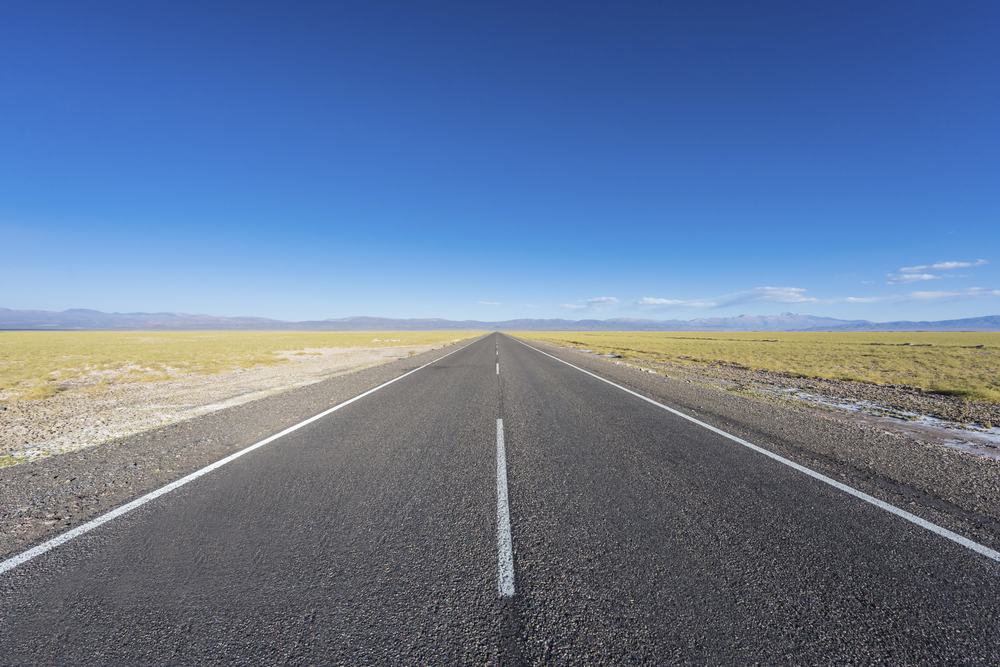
{"x": 989, "y": 323}
{"x": 79, "y": 319}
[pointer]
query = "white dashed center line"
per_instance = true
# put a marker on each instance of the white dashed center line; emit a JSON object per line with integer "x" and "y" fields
{"x": 505, "y": 551}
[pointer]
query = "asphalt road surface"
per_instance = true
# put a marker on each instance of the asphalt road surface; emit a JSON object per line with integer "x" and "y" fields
{"x": 374, "y": 535}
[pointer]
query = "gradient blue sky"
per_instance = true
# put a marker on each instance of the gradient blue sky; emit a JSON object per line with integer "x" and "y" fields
{"x": 496, "y": 160}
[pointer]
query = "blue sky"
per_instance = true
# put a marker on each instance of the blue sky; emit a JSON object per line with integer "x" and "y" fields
{"x": 501, "y": 160}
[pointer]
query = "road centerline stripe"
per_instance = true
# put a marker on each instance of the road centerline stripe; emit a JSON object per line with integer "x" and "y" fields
{"x": 861, "y": 495}
{"x": 25, "y": 556}
{"x": 505, "y": 549}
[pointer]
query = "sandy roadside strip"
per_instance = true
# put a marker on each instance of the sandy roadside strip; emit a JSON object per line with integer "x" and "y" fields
{"x": 90, "y": 413}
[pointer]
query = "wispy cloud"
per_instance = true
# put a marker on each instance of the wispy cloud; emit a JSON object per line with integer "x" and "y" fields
{"x": 653, "y": 301}
{"x": 597, "y": 303}
{"x": 898, "y": 278}
{"x": 942, "y": 266}
{"x": 797, "y": 295}
{"x": 489, "y": 303}
{"x": 758, "y": 294}
{"x": 772, "y": 294}
{"x": 913, "y": 274}
{"x": 971, "y": 293}
{"x": 859, "y": 299}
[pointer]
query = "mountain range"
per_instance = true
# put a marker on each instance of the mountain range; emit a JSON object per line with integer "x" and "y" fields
{"x": 80, "y": 319}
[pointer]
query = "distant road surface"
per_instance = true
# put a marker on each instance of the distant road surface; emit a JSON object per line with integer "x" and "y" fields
{"x": 375, "y": 535}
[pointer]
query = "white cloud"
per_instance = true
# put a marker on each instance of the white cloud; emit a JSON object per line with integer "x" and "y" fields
{"x": 490, "y": 303}
{"x": 529, "y": 305}
{"x": 942, "y": 266}
{"x": 797, "y": 295}
{"x": 859, "y": 299}
{"x": 653, "y": 301}
{"x": 972, "y": 292}
{"x": 897, "y": 278}
{"x": 771, "y": 294}
{"x": 597, "y": 303}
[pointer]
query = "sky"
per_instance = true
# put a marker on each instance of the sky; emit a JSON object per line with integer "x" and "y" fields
{"x": 501, "y": 160}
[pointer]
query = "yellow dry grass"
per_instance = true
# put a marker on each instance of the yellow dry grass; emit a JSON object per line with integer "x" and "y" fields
{"x": 36, "y": 364}
{"x": 959, "y": 364}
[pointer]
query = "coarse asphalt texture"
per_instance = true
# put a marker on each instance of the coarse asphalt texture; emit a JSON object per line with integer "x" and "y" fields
{"x": 370, "y": 537}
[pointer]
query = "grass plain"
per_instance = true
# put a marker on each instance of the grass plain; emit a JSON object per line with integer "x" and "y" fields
{"x": 35, "y": 364}
{"x": 962, "y": 364}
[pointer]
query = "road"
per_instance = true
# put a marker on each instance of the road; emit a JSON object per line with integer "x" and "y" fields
{"x": 370, "y": 536}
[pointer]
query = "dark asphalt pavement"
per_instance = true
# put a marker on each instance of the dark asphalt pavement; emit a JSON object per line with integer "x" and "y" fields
{"x": 370, "y": 537}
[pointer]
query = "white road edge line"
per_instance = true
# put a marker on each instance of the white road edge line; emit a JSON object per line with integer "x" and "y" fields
{"x": 24, "y": 557}
{"x": 505, "y": 549}
{"x": 892, "y": 509}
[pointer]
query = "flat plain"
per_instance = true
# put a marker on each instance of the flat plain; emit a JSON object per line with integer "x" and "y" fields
{"x": 38, "y": 364}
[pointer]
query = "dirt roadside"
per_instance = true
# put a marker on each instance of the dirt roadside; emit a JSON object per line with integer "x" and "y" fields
{"x": 970, "y": 426}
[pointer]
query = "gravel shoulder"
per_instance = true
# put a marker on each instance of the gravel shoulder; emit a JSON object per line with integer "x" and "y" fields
{"x": 48, "y": 496}
{"x": 971, "y": 426}
{"x": 907, "y": 467}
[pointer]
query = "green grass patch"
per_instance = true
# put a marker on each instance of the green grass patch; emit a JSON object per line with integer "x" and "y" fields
{"x": 9, "y": 461}
{"x": 963, "y": 364}
{"x": 35, "y": 364}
